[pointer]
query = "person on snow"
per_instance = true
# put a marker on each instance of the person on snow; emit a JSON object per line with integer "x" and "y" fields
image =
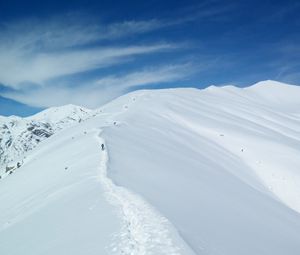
{"x": 102, "y": 146}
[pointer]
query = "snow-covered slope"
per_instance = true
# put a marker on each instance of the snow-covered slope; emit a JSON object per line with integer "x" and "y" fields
{"x": 20, "y": 135}
{"x": 184, "y": 171}
{"x": 60, "y": 117}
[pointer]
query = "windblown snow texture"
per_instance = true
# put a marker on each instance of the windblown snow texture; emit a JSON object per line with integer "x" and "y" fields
{"x": 183, "y": 171}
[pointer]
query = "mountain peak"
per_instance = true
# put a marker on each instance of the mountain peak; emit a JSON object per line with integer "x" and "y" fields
{"x": 271, "y": 83}
{"x": 60, "y": 113}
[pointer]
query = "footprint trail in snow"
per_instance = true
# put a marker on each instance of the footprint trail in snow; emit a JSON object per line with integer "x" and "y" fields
{"x": 144, "y": 231}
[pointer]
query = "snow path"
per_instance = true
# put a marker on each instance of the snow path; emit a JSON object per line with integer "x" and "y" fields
{"x": 144, "y": 231}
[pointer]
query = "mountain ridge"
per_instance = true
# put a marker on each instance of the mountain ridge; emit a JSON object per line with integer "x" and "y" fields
{"x": 211, "y": 171}
{"x": 53, "y": 119}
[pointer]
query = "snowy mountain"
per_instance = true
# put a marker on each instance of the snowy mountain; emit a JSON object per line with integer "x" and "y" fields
{"x": 175, "y": 171}
{"x": 20, "y": 135}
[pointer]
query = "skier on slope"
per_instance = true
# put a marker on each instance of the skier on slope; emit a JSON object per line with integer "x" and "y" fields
{"x": 102, "y": 146}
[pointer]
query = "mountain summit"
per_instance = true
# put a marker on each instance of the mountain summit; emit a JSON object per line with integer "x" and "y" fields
{"x": 175, "y": 171}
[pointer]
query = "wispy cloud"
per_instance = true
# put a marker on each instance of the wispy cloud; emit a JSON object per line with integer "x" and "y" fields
{"x": 39, "y": 58}
{"x": 148, "y": 76}
{"x": 99, "y": 91}
{"x": 209, "y": 10}
{"x": 34, "y": 52}
{"x": 67, "y": 31}
{"x": 37, "y": 68}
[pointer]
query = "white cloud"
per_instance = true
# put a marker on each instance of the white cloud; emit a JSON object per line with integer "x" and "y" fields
{"x": 35, "y": 55}
{"x": 100, "y": 91}
{"x": 148, "y": 76}
{"x": 16, "y": 69}
{"x": 67, "y": 31}
{"x": 35, "y": 51}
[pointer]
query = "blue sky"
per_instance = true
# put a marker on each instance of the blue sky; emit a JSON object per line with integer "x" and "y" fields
{"x": 89, "y": 52}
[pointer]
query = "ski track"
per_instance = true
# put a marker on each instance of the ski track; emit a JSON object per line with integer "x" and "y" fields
{"x": 144, "y": 231}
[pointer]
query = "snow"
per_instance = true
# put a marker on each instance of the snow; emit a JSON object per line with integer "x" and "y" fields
{"x": 217, "y": 196}
{"x": 20, "y": 135}
{"x": 144, "y": 230}
{"x": 62, "y": 115}
{"x": 184, "y": 171}
{"x": 46, "y": 209}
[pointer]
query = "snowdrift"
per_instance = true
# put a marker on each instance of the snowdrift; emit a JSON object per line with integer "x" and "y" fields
{"x": 184, "y": 171}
